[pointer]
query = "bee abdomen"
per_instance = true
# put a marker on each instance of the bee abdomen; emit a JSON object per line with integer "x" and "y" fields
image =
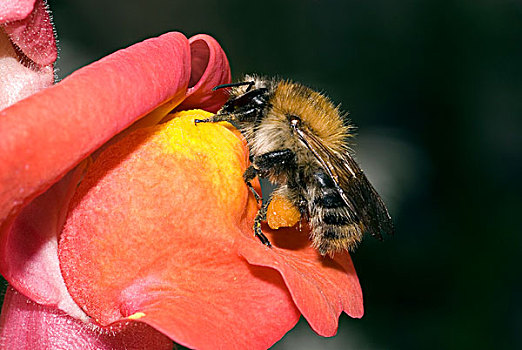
{"x": 325, "y": 194}
{"x": 329, "y": 198}
{"x": 333, "y": 218}
{"x": 333, "y": 229}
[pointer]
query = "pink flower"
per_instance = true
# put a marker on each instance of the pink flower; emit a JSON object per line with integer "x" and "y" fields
{"x": 122, "y": 235}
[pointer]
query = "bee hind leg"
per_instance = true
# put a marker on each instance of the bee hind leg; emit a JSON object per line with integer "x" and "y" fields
{"x": 261, "y": 216}
{"x": 248, "y": 176}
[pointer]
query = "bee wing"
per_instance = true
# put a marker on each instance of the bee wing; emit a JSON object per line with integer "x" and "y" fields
{"x": 364, "y": 203}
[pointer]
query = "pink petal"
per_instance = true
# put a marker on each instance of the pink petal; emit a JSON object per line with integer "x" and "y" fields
{"x": 209, "y": 69}
{"x": 27, "y": 325}
{"x": 321, "y": 287}
{"x": 47, "y": 134}
{"x": 14, "y": 10}
{"x": 34, "y": 34}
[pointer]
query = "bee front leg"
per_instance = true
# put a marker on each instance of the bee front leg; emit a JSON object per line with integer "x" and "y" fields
{"x": 241, "y": 83}
{"x": 215, "y": 119}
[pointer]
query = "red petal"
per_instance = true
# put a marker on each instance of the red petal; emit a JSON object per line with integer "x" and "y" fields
{"x": 13, "y": 10}
{"x": 321, "y": 287}
{"x": 209, "y": 69}
{"x": 151, "y": 233}
{"x": 34, "y": 34}
{"x": 48, "y": 133}
{"x": 27, "y": 325}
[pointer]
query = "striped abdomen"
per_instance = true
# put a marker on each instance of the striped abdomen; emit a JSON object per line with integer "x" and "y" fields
{"x": 333, "y": 229}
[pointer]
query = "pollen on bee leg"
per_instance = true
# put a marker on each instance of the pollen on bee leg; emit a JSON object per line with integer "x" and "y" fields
{"x": 282, "y": 213}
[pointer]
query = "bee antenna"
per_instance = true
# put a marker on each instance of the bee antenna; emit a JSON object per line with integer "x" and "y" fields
{"x": 224, "y": 86}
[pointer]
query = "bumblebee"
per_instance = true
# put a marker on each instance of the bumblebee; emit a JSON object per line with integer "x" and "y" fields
{"x": 299, "y": 140}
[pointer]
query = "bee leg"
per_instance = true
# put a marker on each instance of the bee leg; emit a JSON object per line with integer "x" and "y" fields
{"x": 250, "y": 84}
{"x": 261, "y": 216}
{"x": 274, "y": 162}
{"x": 215, "y": 118}
{"x": 248, "y": 176}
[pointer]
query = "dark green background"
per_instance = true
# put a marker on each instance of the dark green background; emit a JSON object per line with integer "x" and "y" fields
{"x": 435, "y": 88}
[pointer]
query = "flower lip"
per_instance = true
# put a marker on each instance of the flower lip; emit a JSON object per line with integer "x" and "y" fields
{"x": 200, "y": 55}
{"x": 209, "y": 68}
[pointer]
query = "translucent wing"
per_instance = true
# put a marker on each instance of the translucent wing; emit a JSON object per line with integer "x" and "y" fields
{"x": 364, "y": 203}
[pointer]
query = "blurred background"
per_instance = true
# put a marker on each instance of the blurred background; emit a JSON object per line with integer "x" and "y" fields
{"x": 435, "y": 88}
